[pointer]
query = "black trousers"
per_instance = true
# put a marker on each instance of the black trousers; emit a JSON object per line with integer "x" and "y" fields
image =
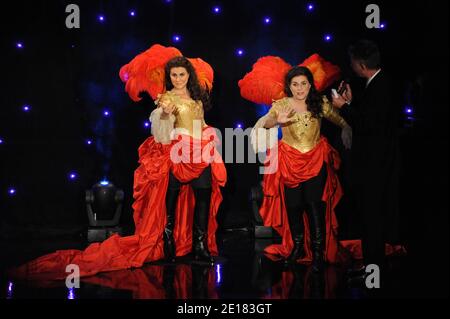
{"x": 203, "y": 181}
{"x": 307, "y": 192}
{"x": 307, "y": 197}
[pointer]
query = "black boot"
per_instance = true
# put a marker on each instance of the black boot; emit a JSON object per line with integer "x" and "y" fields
{"x": 316, "y": 216}
{"x": 295, "y": 218}
{"x": 200, "y": 231}
{"x": 169, "y": 242}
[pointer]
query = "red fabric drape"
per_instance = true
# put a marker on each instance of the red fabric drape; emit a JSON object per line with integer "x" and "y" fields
{"x": 150, "y": 186}
{"x": 294, "y": 168}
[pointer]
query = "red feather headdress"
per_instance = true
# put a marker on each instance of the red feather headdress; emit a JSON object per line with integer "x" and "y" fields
{"x": 265, "y": 82}
{"x": 145, "y": 73}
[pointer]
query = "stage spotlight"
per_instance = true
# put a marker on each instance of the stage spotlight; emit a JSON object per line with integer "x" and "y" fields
{"x": 1, "y": 141}
{"x": 267, "y": 20}
{"x": 101, "y": 18}
{"x": 88, "y": 142}
{"x": 240, "y": 52}
{"x": 132, "y": 13}
{"x": 239, "y": 125}
{"x": 216, "y": 10}
{"x": 19, "y": 45}
{"x": 310, "y": 7}
{"x": 176, "y": 38}
{"x": 383, "y": 25}
{"x": 26, "y": 108}
{"x": 12, "y": 191}
{"x": 146, "y": 124}
{"x": 104, "y": 206}
{"x": 106, "y": 113}
{"x": 327, "y": 37}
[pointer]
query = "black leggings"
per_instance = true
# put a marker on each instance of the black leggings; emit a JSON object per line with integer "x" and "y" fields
{"x": 203, "y": 181}
{"x": 306, "y": 197}
{"x": 202, "y": 193}
{"x": 308, "y": 191}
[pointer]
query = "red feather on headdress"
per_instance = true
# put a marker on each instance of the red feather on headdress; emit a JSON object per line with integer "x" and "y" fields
{"x": 324, "y": 72}
{"x": 145, "y": 73}
{"x": 265, "y": 82}
{"x": 204, "y": 71}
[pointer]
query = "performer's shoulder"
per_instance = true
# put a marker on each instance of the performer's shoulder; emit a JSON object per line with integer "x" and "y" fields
{"x": 164, "y": 96}
{"x": 280, "y": 102}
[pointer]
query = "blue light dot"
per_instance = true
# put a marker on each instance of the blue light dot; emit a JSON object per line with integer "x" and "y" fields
{"x": 101, "y": 18}
{"x": 132, "y": 13}
{"x": 26, "y": 108}
{"x": 267, "y": 20}
{"x": 12, "y": 191}
{"x": 71, "y": 294}
{"x": 240, "y": 52}
{"x": 104, "y": 182}
{"x": 310, "y": 7}
{"x": 176, "y": 38}
{"x": 19, "y": 45}
{"x": 106, "y": 113}
{"x": 216, "y": 9}
{"x": 328, "y": 37}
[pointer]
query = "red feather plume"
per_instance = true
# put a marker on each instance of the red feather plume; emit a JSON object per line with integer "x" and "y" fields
{"x": 265, "y": 82}
{"x": 145, "y": 73}
{"x": 325, "y": 73}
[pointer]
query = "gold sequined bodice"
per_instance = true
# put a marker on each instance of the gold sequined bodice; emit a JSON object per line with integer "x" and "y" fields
{"x": 303, "y": 132}
{"x": 189, "y": 114}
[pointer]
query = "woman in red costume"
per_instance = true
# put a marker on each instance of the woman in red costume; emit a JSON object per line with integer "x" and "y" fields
{"x": 177, "y": 185}
{"x": 304, "y": 189}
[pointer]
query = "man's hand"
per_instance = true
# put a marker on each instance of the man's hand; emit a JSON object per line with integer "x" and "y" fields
{"x": 347, "y": 95}
{"x": 340, "y": 100}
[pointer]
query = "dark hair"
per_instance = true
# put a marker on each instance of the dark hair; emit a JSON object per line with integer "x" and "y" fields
{"x": 313, "y": 100}
{"x": 367, "y": 52}
{"x": 193, "y": 85}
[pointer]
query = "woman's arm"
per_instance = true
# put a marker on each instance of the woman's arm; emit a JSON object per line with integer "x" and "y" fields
{"x": 162, "y": 120}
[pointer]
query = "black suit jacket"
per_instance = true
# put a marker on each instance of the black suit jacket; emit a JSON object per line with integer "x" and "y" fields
{"x": 375, "y": 151}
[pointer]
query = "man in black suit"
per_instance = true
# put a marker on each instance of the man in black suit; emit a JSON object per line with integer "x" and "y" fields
{"x": 374, "y": 151}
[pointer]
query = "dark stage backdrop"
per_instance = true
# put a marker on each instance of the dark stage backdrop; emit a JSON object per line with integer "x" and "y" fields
{"x": 69, "y": 77}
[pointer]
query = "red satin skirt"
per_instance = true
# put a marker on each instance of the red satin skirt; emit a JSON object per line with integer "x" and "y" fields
{"x": 150, "y": 185}
{"x": 294, "y": 168}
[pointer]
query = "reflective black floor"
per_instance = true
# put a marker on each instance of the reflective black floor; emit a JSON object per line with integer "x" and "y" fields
{"x": 241, "y": 272}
